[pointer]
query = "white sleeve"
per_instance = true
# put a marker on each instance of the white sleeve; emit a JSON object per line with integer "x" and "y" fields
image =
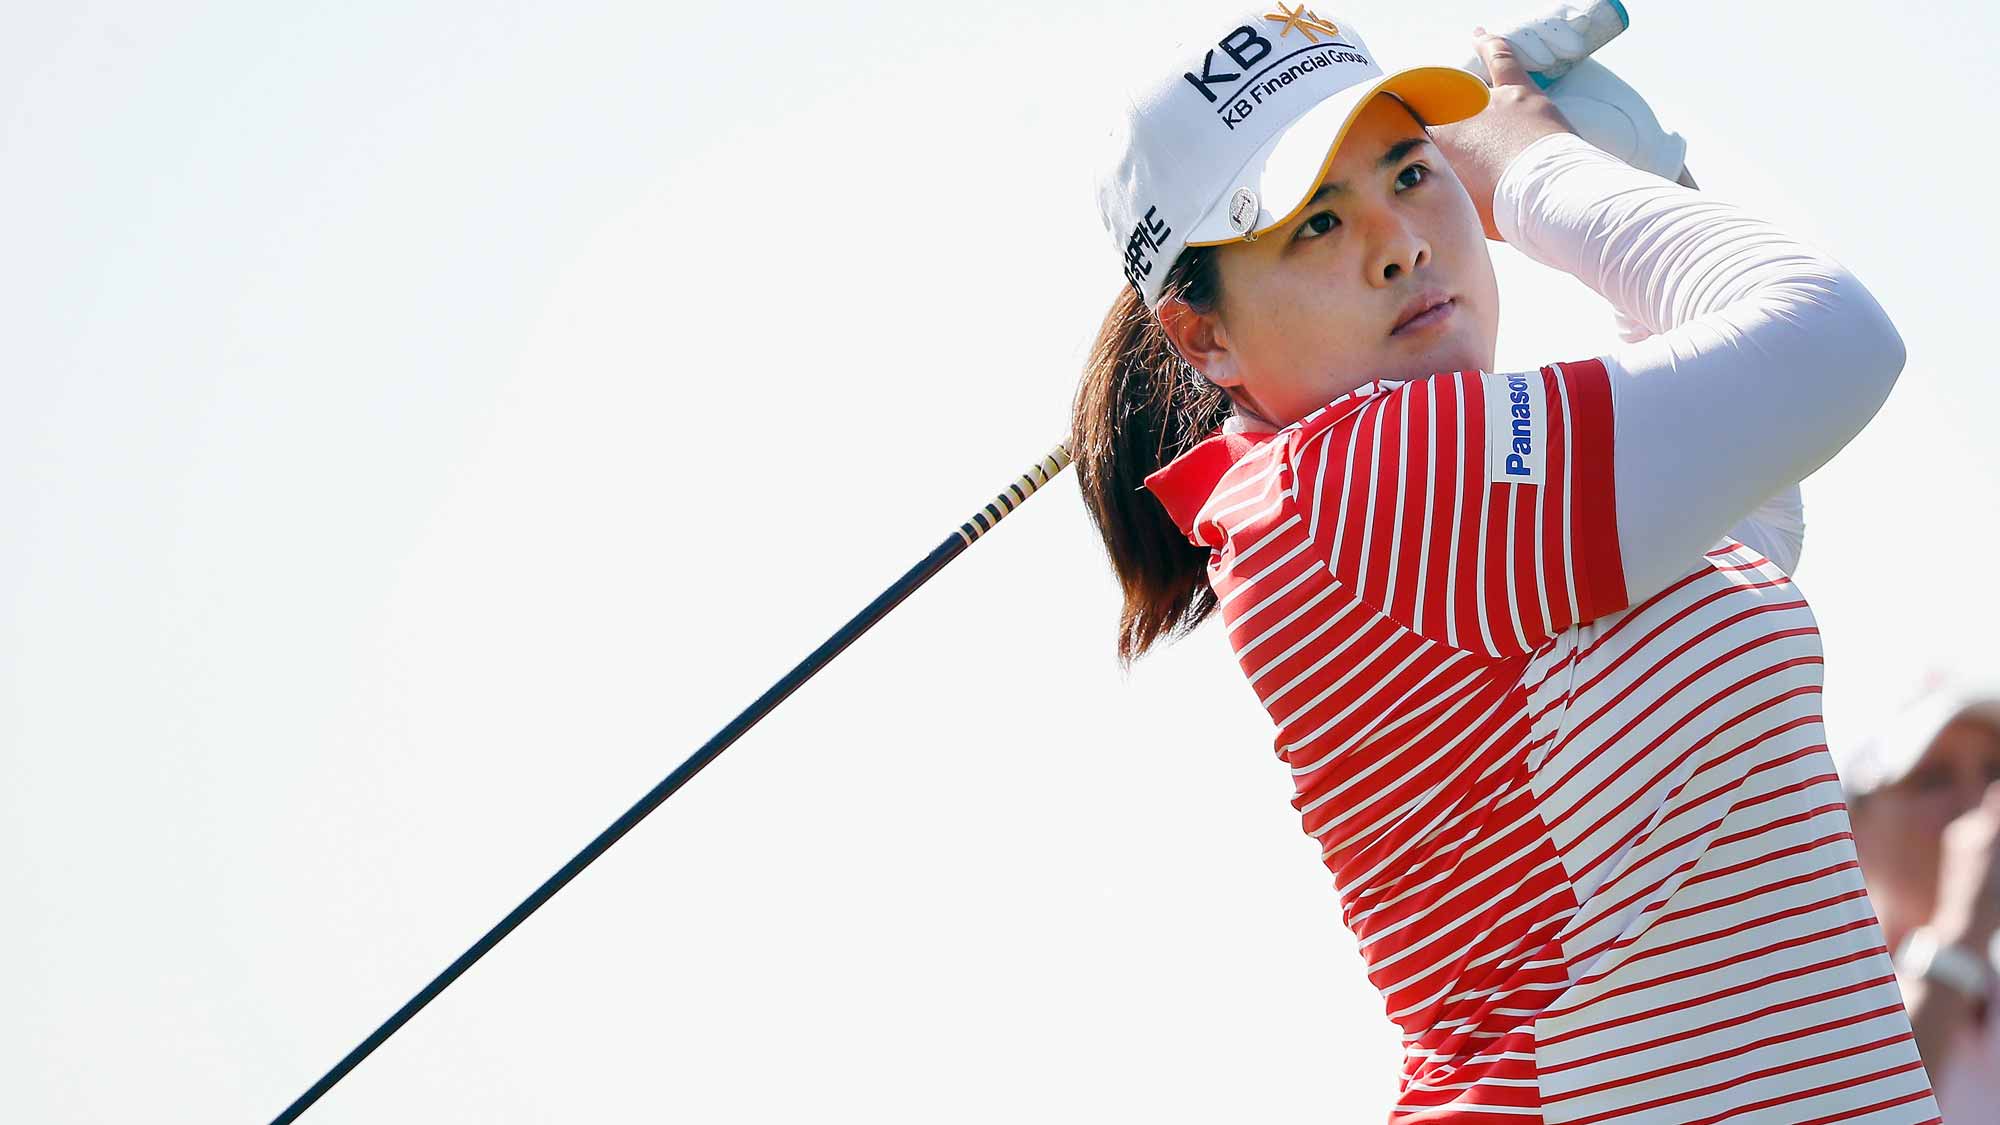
{"x": 1777, "y": 529}
{"x": 1766, "y": 356}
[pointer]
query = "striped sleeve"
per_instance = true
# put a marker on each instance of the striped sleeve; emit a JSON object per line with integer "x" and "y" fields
{"x": 1473, "y": 509}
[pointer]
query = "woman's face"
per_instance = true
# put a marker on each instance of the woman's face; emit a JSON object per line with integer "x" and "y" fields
{"x": 1309, "y": 311}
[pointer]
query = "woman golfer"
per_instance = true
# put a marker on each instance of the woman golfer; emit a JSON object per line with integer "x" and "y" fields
{"x": 1549, "y": 699}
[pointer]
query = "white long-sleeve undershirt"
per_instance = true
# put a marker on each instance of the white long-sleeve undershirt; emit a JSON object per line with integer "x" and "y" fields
{"x": 1766, "y": 356}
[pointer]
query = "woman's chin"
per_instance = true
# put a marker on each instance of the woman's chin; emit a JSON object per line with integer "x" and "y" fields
{"x": 1445, "y": 357}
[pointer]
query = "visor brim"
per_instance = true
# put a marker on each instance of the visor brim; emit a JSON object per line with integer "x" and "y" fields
{"x": 1289, "y": 167}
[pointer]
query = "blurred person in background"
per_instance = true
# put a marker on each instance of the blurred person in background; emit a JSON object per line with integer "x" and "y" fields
{"x": 1924, "y": 800}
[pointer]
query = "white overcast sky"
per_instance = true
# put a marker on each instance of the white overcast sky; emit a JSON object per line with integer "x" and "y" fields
{"x": 426, "y": 424}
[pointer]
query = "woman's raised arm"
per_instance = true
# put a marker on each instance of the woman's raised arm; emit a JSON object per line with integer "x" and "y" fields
{"x": 1664, "y": 258}
{"x": 1766, "y": 356}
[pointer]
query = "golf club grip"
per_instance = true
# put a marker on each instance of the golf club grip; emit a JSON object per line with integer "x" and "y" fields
{"x": 1023, "y": 487}
{"x": 1597, "y": 21}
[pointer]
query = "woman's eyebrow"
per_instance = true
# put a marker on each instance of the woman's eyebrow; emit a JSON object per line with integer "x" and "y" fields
{"x": 1396, "y": 152}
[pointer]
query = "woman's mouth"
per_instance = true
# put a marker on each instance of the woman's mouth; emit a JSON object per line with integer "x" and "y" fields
{"x": 1433, "y": 317}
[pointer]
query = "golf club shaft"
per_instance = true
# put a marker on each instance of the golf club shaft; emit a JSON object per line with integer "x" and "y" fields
{"x": 980, "y": 523}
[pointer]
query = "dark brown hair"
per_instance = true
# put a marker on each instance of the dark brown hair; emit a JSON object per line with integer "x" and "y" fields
{"x": 1138, "y": 408}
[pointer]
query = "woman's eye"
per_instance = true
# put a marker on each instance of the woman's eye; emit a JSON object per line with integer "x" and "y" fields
{"x": 1319, "y": 224}
{"x": 1325, "y": 221}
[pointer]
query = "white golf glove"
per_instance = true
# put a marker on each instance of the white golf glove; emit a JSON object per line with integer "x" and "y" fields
{"x": 1547, "y": 45}
{"x": 1605, "y": 110}
{"x": 1611, "y": 115}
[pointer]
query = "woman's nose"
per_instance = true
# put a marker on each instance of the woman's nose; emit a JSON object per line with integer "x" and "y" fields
{"x": 1400, "y": 251}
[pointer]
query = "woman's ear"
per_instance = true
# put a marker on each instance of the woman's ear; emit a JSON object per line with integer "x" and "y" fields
{"x": 1201, "y": 341}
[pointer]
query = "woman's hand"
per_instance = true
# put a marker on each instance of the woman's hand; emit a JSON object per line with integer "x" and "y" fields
{"x": 1480, "y": 147}
{"x": 1968, "y": 909}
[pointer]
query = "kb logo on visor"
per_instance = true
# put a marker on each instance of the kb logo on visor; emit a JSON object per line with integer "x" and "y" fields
{"x": 1304, "y": 20}
{"x": 1248, "y": 48}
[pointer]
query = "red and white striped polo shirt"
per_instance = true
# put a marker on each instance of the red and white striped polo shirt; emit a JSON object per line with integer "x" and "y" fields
{"x": 1595, "y": 854}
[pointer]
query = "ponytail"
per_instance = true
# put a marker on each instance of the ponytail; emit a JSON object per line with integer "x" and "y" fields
{"x": 1138, "y": 408}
